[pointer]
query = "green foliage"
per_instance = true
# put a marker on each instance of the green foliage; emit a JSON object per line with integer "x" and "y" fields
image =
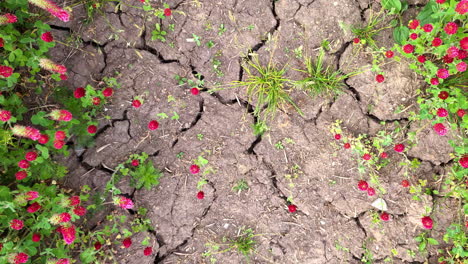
{"x": 375, "y": 145}
{"x": 244, "y": 244}
{"x": 158, "y": 33}
{"x": 321, "y": 80}
{"x": 457, "y": 236}
{"x": 439, "y": 15}
{"x": 54, "y": 201}
{"x": 22, "y": 46}
{"x": 400, "y": 34}
{"x": 427, "y": 14}
{"x": 425, "y": 241}
{"x": 196, "y": 39}
{"x": 266, "y": 88}
{"x": 394, "y": 6}
{"x": 210, "y": 44}
{"x": 198, "y": 83}
{"x": 279, "y": 145}
{"x": 240, "y": 186}
{"x": 367, "y": 32}
{"x": 221, "y": 29}
{"x": 151, "y": 10}
{"x": 216, "y": 65}
{"x": 259, "y": 128}
{"x": 143, "y": 175}
{"x": 201, "y": 161}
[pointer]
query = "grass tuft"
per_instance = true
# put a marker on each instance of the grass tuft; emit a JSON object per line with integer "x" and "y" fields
{"x": 367, "y": 32}
{"x": 320, "y": 79}
{"x": 266, "y": 88}
{"x": 245, "y": 243}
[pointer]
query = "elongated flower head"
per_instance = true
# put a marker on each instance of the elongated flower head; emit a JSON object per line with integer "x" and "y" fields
{"x": 7, "y": 19}
{"x": 79, "y": 210}
{"x": 16, "y": 224}
{"x": 63, "y": 261}
{"x": 123, "y": 202}
{"x": 68, "y": 233}
{"x": 31, "y": 195}
{"x": 49, "y": 65}
{"x": 18, "y": 258}
{"x": 26, "y": 132}
{"x": 61, "y": 115}
{"x": 74, "y": 200}
{"x": 52, "y": 8}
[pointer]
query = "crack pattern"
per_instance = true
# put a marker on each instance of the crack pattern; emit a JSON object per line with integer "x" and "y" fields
{"x": 161, "y": 258}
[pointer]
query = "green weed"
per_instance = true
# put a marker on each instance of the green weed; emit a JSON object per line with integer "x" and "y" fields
{"x": 241, "y": 185}
{"x": 367, "y": 32}
{"x": 266, "y": 87}
{"x": 244, "y": 243}
{"x": 321, "y": 79}
{"x": 158, "y": 33}
{"x": 259, "y": 128}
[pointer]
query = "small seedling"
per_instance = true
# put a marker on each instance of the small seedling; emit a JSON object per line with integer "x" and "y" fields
{"x": 180, "y": 155}
{"x": 240, "y": 186}
{"x": 338, "y": 246}
{"x": 170, "y": 98}
{"x": 162, "y": 115}
{"x": 171, "y": 27}
{"x": 201, "y": 183}
{"x": 259, "y": 128}
{"x": 249, "y": 27}
{"x": 221, "y": 30}
{"x": 158, "y": 33}
{"x": 185, "y": 81}
{"x": 279, "y": 145}
{"x": 244, "y": 243}
{"x": 200, "y": 137}
{"x": 210, "y": 44}
{"x": 216, "y": 67}
{"x": 367, "y": 257}
{"x": 208, "y": 26}
{"x": 175, "y": 116}
{"x": 298, "y": 52}
{"x": 196, "y": 39}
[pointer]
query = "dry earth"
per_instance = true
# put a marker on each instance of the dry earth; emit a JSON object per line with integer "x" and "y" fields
{"x": 334, "y": 220}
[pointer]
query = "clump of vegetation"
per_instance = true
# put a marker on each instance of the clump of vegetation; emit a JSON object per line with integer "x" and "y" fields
{"x": 240, "y": 186}
{"x": 368, "y": 31}
{"x": 244, "y": 244}
{"x": 267, "y": 87}
{"x": 321, "y": 79}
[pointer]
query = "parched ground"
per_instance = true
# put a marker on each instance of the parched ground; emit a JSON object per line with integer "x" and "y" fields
{"x": 333, "y": 223}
